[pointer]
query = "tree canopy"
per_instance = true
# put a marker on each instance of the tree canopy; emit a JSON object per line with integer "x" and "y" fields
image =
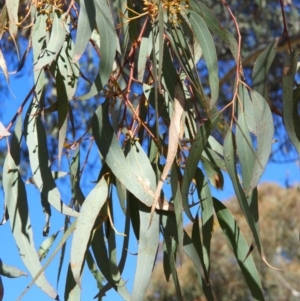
{"x": 140, "y": 107}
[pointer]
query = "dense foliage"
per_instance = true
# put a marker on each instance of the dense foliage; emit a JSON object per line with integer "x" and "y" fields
{"x": 174, "y": 102}
{"x": 279, "y": 234}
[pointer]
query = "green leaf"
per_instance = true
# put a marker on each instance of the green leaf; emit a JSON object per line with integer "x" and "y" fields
{"x": 75, "y": 177}
{"x": 240, "y": 249}
{"x": 62, "y": 108}
{"x": 190, "y": 250}
{"x": 93, "y": 269}
{"x": 196, "y": 150}
{"x": 143, "y": 56}
{"x": 148, "y": 244}
{"x": 290, "y": 106}
{"x": 69, "y": 70}
{"x": 89, "y": 212}
{"x": 101, "y": 257}
{"x": 170, "y": 250}
{"x": 245, "y": 151}
{"x": 111, "y": 151}
{"x": 215, "y": 26}
{"x": 72, "y": 289}
{"x": 54, "y": 45}
{"x": 39, "y": 160}
{"x": 49, "y": 260}
{"x": 231, "y": 167}
{"x": 177, "y": 197}
{"x": 10, "y": 271}
{"x": 264, "y": 133}
{"x": 207, "y": 219}
{"x": 108, "y": 39}
{"x": 209, "y": 52}
{"x": 262, "y": 66}
{"x": 46, "y": 245}
{"x": 16, "y": 201}
{"x": 86, "y": 24}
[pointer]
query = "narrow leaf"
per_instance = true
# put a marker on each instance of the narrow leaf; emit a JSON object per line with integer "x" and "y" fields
{"x": 197, "y": 148}
{"x": 264, "y": 133}
{"x": 240, "y": 249}
{"x": 10, "y": 271}
{"x": 209, "y": 53}
{"x": 148, "y": 244}
{"x": 108, "y": 39}
{"x": 85, "y": 223}
{"x": 86, "y": 24}
{"x": 288, "y": 101}
{"x": 54, "y": 45}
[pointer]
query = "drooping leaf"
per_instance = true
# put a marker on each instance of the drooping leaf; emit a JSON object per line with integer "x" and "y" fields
{"x": 39, "y": 161}
{"x": 93, "y": 268}
{"x": 89, "y": 211}
{"x": 170, "y": 256}
{"x": 207, "y": 219}
{"x": 245, "y": 151}
{"x": 12, "y": 10}
{"x": 175, "y": 133}
{"x": 54, "y": 45}
{"x": 101, "y": 257}
{"x": 49, "y": 260}
{"x": 86, "y": 24}
{"x": 231, "y": 168}
{"x": 63, "y": 109}
{"x": 17, "y": 207}
{"x": 75, "y": 177}
{"x": 147, "y": 250}
{"x": 214, "y": 25}
{"x": 290, "y": 107}
{"x": 46, "y": 245}
{"x": 262, "y": 66}
{"x": 209, "y": 53}
{"x": 190, "y": 250}
{"x": 108, "y": 39}
{"x": 72, "y": 289}
{"x": 240, "y": 249}
{"x": 110, "y": 149}
{"x": 264, "y": 133}
{"x": 10, "y": 271}
{"x": 198, "y": 146}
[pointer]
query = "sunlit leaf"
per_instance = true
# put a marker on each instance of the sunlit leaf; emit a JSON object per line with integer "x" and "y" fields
{"x": 231, "y": 167}
{"x": 86, "y": 24}
{"x": 110, "y": 149}
{"x": 198, "y": 146}
{"x": 148, "y": 244}
{"x": 46, "y": 245}
{"x": 56, "y": 41}
{"x": 209, "y": 53}
{"x": 264, "y": 133}
{"x": 16, "y": 201}
{"x": 10, "y": 271}
{"x": 85, "y": 223}
{"x": 39, "y": 161}
{"x": 72, "y": 289}
{"x": 108, "y": 39}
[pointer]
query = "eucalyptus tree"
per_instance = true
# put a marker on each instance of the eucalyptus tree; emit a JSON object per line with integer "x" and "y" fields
{"x": 154, "y": 112}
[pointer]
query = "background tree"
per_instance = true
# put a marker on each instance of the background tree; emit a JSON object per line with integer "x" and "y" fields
{"x": 279, "y": 234}
{"x": 162, "y": 121}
